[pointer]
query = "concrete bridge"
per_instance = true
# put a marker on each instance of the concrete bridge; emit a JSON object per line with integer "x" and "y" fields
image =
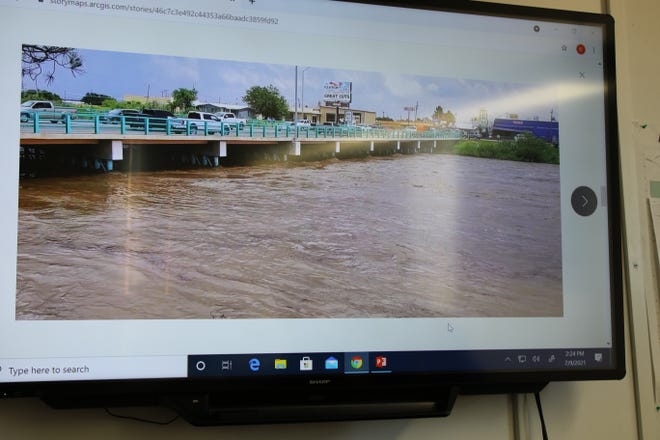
{"x": 107, "y": 151}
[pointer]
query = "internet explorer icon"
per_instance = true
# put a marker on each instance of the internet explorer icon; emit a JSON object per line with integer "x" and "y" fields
{"x": 254, "y": 364}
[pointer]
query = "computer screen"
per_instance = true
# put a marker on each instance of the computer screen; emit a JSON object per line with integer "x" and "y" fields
{"x": 237, "y": 191}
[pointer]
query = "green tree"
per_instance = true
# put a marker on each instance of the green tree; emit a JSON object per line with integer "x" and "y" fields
{"x": 92, "y": 98}
{"x": 111, "y": 103}
{"x": 137, "y": 105}
{"x": 44, "y": 60}
{"x": 449, "y": 118}
{"x": 437, "y": 114}
{"x": 40, "y": 95}
{"x": 183, "y": 98}
{"x": 444, "y": 116}
{"x": 267, "y": 101}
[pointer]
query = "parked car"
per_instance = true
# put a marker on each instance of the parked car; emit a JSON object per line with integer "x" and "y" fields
{"x": 302, "y": 123}
{"x": 114, "y": 116}
{"x": 474, "y": 134}
{"x": 158, "y": 120}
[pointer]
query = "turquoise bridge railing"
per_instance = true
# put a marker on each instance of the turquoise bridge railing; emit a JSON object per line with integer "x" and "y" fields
{"x": 95, "y": 123}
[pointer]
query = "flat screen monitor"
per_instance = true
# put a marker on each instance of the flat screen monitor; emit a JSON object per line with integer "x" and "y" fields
{"x": 345, "y": 208}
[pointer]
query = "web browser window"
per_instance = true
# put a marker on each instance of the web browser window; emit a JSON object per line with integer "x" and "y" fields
{"x": 374, "y": 196}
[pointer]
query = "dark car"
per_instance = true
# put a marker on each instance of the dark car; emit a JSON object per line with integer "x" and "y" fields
{"x": 114, "y": 116}
{"x": 156, "y": 113}
{"x": 157, "y": 120}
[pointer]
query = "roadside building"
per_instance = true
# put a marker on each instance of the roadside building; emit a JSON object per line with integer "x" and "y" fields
{"x": 309, "y": 113}
{"x": 338, "y": 115}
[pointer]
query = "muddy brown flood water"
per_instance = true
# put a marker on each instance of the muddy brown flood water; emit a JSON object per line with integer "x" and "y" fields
{"x": 408, "y": 236}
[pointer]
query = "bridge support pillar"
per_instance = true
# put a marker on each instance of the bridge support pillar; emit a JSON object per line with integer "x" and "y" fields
{"x": 110, "y": 150}
{"x": 294, "y": 148}
{"x": 216, "y": 149}
{"x": 210, "y": 154}
{"x": 107, "y": 152}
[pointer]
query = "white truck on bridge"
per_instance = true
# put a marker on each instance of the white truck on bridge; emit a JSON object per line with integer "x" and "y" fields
{"x": 199, "y": 121}
{"x": 46, "y": 111}
{"x": 231, "y": 119}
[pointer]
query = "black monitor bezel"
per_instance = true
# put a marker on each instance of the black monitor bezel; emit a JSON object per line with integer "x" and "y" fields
{"x": 149, "y": 391}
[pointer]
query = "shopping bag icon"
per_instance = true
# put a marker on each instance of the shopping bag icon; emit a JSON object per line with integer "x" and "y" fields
{"x": 305, "y": 364}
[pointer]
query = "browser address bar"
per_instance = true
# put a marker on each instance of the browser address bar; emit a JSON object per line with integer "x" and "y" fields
{"x": 321, "y": 18}
{"x": 228, "y": 12}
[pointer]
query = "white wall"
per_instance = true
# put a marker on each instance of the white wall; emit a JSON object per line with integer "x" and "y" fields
{"x": 593, "y": 410}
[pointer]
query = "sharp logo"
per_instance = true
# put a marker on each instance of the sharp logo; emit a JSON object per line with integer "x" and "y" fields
{"x": 320, "y": 382}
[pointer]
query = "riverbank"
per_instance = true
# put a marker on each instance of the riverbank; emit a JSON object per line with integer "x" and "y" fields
{"x": 523, "y": 149}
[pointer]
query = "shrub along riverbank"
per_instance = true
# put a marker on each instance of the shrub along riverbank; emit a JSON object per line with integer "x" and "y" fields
{"x": 526, "y": 148}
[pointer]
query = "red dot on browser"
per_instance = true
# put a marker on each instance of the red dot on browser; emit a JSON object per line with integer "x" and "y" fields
{"x": 581, "y": 49}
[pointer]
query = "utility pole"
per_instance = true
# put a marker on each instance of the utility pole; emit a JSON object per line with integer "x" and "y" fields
{"x": 295, "y": 99}
{"x": 302, "y": 92}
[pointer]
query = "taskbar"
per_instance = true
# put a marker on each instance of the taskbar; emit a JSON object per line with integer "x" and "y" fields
{"x": 312, "y": 363}
{"x": 387, "y": 362}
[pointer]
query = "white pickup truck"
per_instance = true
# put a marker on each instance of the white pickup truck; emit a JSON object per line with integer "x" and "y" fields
{"x": 231, "y": 119}
{"x": 198, "y": 121}
{"x": 47, "y": 111}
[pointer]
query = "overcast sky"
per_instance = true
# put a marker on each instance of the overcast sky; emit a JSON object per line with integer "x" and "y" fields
{"x": 118, "y": 74}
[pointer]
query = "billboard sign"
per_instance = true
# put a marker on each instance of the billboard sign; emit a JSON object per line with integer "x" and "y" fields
{"x": 334, "y": 91}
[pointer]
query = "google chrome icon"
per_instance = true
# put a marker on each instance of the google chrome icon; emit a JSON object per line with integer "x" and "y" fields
{"x": 356, "y": 362}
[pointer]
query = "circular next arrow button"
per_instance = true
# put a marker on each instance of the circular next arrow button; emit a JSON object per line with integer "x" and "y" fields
{"x": 584, "y": 201}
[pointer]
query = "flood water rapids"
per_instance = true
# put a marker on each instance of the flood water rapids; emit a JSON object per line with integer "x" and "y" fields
{"x": 405, "y": 236}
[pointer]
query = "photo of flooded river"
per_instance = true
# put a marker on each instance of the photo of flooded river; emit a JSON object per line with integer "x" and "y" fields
{"x": 405, "y": 236}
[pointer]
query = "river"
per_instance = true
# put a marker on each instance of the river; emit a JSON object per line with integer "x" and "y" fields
{"x": 404, "y": 236}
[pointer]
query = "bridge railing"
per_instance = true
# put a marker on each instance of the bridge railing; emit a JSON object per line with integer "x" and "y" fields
{"x": 97, "y": 123}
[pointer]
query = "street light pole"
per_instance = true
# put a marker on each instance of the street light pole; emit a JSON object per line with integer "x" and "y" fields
{"x": 295, "y": 99}
{"x": 302, "y": 97}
